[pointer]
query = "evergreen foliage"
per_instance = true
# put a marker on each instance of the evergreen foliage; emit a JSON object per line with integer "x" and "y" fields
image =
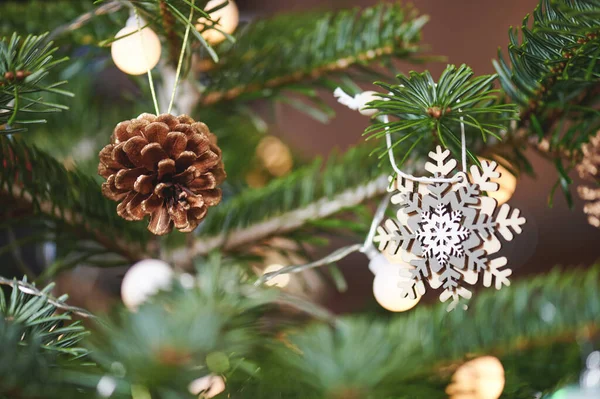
{"x": 552, "y": 76}
{"x": 264, "y": 342}
{"x": 24, "y": 63}
{"x": 287, "y": 49}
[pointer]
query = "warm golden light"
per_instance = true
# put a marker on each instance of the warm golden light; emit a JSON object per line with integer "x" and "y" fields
{"x": 481, "y": 378}
{"x": 226, "y": 20}
{"x": 507, "y": 182}
{"x": 387, "y": 292}
{"x": 279, "y": 281}
{"x": 275, "y": 156}
{"x": 136, "y": 52}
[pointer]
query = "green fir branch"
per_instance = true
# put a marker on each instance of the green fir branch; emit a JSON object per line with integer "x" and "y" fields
{"x": 285, "y": 204}
{"x": 38, "y": 344}
{"x": 24, "y": 65}
{"x": 287, "y": 49}
{"x": 531, "y": 327}
{"x": 71, "y": 22}
{"x": 185, "y": 333}
{"x": 37, "y": 183}
{"x": 425, "y": 112}
{"x": 553, "y": 74}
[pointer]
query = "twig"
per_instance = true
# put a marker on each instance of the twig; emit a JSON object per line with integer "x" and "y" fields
{"x": 129, "y": 251}
{"x": 85, "y": 18}
{"x": 168, "y": 22}
{"x": 32, "y": 290}
{"x": 16, "y": 254}
{"x": 289, "y": 221}
{"x": 340, "y": 64}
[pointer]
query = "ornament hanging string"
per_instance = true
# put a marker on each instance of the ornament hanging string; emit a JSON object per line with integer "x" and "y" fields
{"x": 179, "y": 63}
{"x": 359, "y": 102}
{"x": 149, "y": 72}
{"x": 181, "y": 55}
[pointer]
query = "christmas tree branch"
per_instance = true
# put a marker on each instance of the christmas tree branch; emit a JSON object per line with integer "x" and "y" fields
{"x": 129, "y": 250}
{"x": 38, "y": 183}
{"x": 293, "y": 220}
{"x": 527, "y": 327}
{"x": 553, "y": 77}
{"x": 24, "y": 65}
{"x": 32, "y": 290}
{"x": 282, "y": 50}
{"x": 168, "y": 23}
{"x": 213, "y": 97}
{"x": 79, "y": 22}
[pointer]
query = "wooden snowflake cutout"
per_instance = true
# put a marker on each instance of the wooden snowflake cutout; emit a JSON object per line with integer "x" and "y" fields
{"x": 441, "y": 234}
{"x": 448, "y": 233}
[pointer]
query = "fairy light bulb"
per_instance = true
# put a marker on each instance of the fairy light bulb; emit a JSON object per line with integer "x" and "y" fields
{"x": 143, "y": 280}
{"x": 135, "y": 52}
{"x": 387, "y": 292}
{"x": 507, "y": 184}
{"x": 275, "y": 156}
{"x": 387, "y": 282}
{"x": 226, "y": 20}
{"x": 481, "y": 378}
{"x": 278, "y": 281}
{"x": 207, "y": 387}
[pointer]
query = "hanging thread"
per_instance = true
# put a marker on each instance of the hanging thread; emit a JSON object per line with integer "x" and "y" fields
{"x": 179, "y": 64}
{"x": 181, "y": 55}
{"x": 149, "y": 72}
{"x": 357, "y": 103}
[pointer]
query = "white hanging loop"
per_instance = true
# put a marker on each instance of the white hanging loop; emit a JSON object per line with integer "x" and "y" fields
{"x": 359, "y": 102}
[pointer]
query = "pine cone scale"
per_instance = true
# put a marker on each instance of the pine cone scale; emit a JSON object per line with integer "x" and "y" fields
{"x": 175, "y": 144}
{"x": 134, "y": 207}
{"x": 122, "y": 207}
{"x": 144, "y": 184}
{"x": 133, "y": 149}
{"x": 207, "y": 161}
{"x": 185, "y": 177}
{"x": 120, "y": 157}
{"x": 110, "y": 190}
{"x": 160, "y": 222}
{"x": 185, "y": 160}
{"x": 157, "y": 132}
{"x": 151, "y": 204}
{"x": 165, "y": 167}
{"x": 125, "y": 178}
{"x": 106, "y": 159}
{"x": 179, "y": 216}
{"x": 589, "y": 170}
{"x": 211, "y": 197}
{"x": 152, "y": 154}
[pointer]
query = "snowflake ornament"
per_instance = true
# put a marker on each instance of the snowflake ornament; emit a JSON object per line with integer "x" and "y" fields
{"x": 447, "y": 233}
{"x": 441, "y": 234}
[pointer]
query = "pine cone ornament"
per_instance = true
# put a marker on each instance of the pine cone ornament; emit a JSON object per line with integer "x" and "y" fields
{"x": 589, "y": 169}
{"x": 163, "y": 166}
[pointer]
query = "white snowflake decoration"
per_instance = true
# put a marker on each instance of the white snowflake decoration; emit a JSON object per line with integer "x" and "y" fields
{"x": 441, "y": 234}
{"x": 447, "y": 233}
